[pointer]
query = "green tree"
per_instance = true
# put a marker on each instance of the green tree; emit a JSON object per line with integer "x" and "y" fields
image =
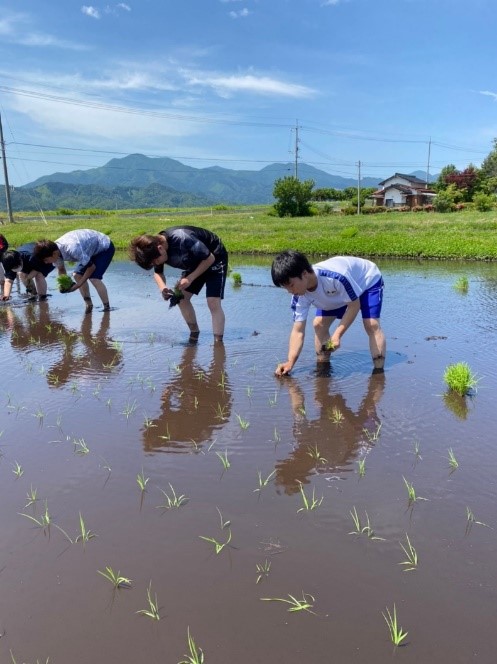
{"x": 293, "y": 197}
{"x": 489, "y": 165}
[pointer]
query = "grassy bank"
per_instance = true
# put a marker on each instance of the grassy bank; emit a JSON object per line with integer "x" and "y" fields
{"x": 466, "y": 234}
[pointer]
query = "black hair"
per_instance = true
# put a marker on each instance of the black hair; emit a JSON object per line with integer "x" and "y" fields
{"x": 4, "y": 245}
{"x": 45, "y": 249}
{"x": 10, "y": 260}
{"x": 288, "y": 265}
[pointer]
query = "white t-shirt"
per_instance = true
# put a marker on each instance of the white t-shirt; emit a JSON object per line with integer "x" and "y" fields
{"x": 341, "y": 280}
{"x": 81, "y": 245}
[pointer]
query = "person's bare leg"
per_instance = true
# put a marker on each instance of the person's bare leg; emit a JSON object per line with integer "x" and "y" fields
{"x": 218, "y": 318}
{"x": 321, "y": 335}
{"x": 101, "y": 289}
{"x": 377, "y": 342}
{"x": 189, "y": 316}
{"x": 85, "y": 292}
{"x": 41, "y": 284}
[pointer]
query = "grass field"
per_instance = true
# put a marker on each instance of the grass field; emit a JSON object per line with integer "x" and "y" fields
{"x": 465, "y": 234}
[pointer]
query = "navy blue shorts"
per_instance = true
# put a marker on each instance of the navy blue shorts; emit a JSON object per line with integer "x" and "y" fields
{"x": 371, "y": 301}
{"x": 101, "y": 262}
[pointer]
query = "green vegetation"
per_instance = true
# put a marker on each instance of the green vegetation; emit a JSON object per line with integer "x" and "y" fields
{"x": 397, "y": 635}
{"x": 153, "y": 605}
{"x": 115, "y": 578}
{"x": 64, "y": 282}
{"x": 196, "y": 655}
{"x": 304, "y": 604}
{"x": 462, "y": 285}
{"x": 465, "y": 234}
{"x": 459, "y": 378}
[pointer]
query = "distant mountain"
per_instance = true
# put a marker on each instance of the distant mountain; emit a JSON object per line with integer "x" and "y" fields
{"x": 216, "y": 184}
{"x": 140, "y": 181}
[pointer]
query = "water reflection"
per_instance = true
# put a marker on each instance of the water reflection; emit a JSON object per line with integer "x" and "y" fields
{"x": 82, "y": 351}
{"x": 195, "y": 403}
{"x": 334, "y": 437}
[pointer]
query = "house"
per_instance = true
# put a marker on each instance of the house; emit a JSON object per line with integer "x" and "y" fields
{"x": 403, "y": 190}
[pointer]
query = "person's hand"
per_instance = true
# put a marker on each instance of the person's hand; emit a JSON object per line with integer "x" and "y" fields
{"x": 283, "y": 369}
{"x": 183, "y": 283}
{"x": 73, "y": 288}
{"x": 167, "y": 293}
{"x": 335, "y": 342}
{"x": 4, "y": 298}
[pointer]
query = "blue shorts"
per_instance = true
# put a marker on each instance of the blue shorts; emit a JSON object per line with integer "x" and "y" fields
{"x": 371, "y": 301}
{"x": 101, "y": 262}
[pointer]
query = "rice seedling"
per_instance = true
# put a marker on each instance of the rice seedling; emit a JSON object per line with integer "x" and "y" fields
{"x": 461, "y": 285}
{"x": 172, "y": 499}
{"x": 221, "y": 412}
{"x": 411, "y": 492}
{"x": 129, "y": 409}
{"x": 372, "y": 436}
{"x": 304, "y": 604}
{"x": 115, "y": 578}
{"x": 223, "y": 457}
{"x": 218, "y": 546}
{"x": 108, "y": 403}
{"x": 263, "y": 482}
{"x": 250, "y": 391}
{"x": 153, "y": 610}
{"x": 363, "y": 529}
{"x": 262, "y": 570}
{"x": 274, "y": 399}
{"x": 276, "y": 435}
{"x": 470, "y": 520}
{"x": 148, "y": 423}
{"x": 64, "y": 282}
{"x": 336, "y": 415}
{"x": 314, "y": 453}
{"x": 86, "y": 534}
{"x": 74, "y": 387}
{"x": 244, "y": 424}
{"x": 14, "y": 660}
{"x": 196, "y": 655}
{"x": 397, "y": 635}
{"x": 411, "y": 562}
{"x": 97, "y": 390}
{"x": 142, "y": 481}
{"x": 195, "y": 403}
{"x": 453, "y": 463}
{"x": 416, "y": 451}
{"x": 32, "y": 496}
{"x": 361, "y": 465}
{"x": 44, "y": 521}
{"x": 40, "y": 415}
{"x": 459, "y": 378}
{"x": 17, "y": 470}
{"x": 80, "y": 446}
{"x": 237, "y": 279}
{"x": 166, "y": 435}
{"x": 309, "y": 503}
{"x": 117, "y": 346}
{"x": 222, "y": 381}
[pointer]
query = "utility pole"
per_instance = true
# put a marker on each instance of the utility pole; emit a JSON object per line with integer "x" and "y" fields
{"x": 358, "y": 187}
{"x": 296, "y": 169}
{"x": 428, "y": 165}
{"x": 5, "y": 174}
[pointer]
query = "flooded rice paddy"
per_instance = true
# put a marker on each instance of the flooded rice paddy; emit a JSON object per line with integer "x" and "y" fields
{"x": 229, "y": 457}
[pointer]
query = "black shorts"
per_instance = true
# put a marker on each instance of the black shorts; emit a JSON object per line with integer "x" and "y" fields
{"x": 214, "y": 279}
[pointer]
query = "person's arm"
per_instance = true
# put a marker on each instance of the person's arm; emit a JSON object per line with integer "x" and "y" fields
{"x": 84, "y": 277}
{"x": 295, "y": 345}
{"x": 7, "y": 289}
{"x": 204, "y": 265}
{"x": 160, "y": 280}
{"x": 347, "y": 320}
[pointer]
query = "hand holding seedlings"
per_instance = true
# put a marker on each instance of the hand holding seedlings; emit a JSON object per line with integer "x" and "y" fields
{"x": 65, "y": 283}
{"x": 330, "y": 346}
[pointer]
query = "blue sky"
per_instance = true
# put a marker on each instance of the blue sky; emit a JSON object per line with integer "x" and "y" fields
{"x": 225, "y": 82}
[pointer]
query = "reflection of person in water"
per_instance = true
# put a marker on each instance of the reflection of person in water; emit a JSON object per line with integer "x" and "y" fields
{"x": 337, "y": 432}
{"x": 82, "y": 352}
{"x": 195, "y": 403}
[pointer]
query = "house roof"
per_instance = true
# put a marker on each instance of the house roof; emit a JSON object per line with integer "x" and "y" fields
{"x": 409, "y": 178}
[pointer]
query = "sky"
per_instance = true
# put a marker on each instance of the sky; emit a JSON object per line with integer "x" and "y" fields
{"x": 394, "y": 85}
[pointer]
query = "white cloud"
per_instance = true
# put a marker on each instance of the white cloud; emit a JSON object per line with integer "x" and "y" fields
{"x": 240, "y": 14}
{"x": 15, "y": 29}
{"x": 489, "y": 94}
{"x": 328, "y": 3}
{"x": 261, "y": 85}
{"x": 90, "y": 11}
{"x": 123, "y": 5}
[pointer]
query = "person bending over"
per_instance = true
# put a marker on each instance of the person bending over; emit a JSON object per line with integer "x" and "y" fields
{"x": 203, "y": 259}
{"x": 339, "y": 288}
{"x": 23, "y": 262}
{"x": 91, "y": 250}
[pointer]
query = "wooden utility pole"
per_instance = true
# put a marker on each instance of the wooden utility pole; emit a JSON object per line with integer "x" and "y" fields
{"x": 296, "y": 169}
{"x": 6, "y": 175}
{"x": 358, "y": 187}
{"x": 428, "y": 165}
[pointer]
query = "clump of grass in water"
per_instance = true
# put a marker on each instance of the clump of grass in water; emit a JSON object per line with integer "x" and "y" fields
{"x": 411, "y": 562}
{"x": 263, "y": 570}
{"x": 304, "y": 604}
{"x": 453, "y": 462}
{"x": 361, "y": 529}
{"x": 237, "y": 279}
{"x": 115, "y": 578}
{"x": 64, "y": 282}
{"x": 462, "y": 285}
{"x": 309, "y": 503}
{"x": 459, "y": 378}
{"x": 153, "y": 610}
{"x": 397, "y": 635}
{"x": 411, "y": 492}
{"x": 196, "y": 655}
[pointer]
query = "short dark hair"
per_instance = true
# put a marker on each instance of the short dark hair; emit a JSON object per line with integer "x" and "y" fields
{"x": 288, "y": 265}
{"x": 4, "y": 245}
{"x": 45, "y": 249}
{"x": 10, "y": 260}
{"x": 144, "y": 249}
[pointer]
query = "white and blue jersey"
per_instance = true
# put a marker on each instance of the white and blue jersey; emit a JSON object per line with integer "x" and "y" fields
{"x": 341, "y": 280}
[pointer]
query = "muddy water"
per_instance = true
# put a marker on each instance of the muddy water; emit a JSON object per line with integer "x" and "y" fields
{"x": 88, "y": 403}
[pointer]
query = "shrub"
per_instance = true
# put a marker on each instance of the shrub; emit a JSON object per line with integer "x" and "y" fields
{"x": 349, "y": 210}
{"x": 349, "y": 232}
{"x": 65, "y": 211}
{"x": 483, "y": 202}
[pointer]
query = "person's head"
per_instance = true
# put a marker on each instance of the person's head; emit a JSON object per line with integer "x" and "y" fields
{"x": 292, "y": 271}
{"x": 12, "y": 261}
{"x": 4, "y": 245}
{"x": 46, "y": 251}
{"x": 148, "y": 251}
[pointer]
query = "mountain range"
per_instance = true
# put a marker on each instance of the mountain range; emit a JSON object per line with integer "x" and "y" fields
{"x": 137, "y": 181}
